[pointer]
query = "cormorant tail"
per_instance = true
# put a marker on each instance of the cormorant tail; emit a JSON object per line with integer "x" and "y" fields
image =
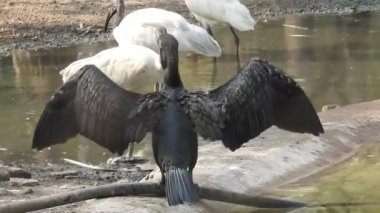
{"x": 179, "y": 187}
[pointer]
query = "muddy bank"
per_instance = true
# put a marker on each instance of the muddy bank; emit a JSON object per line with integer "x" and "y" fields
{"x": 26, "y": 181}
{"x": 31, "y": 25}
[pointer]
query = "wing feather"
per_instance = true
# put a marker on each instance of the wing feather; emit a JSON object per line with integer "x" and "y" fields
{"x": 260, "y": 96}
{"x": 92, "y": 105}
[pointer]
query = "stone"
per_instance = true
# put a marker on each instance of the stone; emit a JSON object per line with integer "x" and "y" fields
{"x": 4, "y": 175}
{"x": 14, "y": 172}
{"x": 22, "y": 182}
{"x": 25, "y": 191}
{"x": 329, "y": 107}
{"x": 147, "y": 166}
{"x": 63, "y": 174}
{"x": 4, "y": 192}
{"x": 18, "y": 172}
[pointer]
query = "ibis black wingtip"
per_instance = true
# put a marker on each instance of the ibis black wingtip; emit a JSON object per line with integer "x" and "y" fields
{"x": 320, "y": 131}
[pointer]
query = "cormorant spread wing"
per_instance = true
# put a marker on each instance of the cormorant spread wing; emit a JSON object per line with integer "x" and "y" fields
{"x": 259, "y": 96}
{"x": 92, "y": 105}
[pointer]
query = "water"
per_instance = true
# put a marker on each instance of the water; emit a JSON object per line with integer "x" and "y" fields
{"x": 356, "y": 180}
{"x": 334, "y": 58}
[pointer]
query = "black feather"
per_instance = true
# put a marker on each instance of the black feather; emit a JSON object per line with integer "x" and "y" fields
{"x": 92, "y": 105}
{"x": 260, "y": 96}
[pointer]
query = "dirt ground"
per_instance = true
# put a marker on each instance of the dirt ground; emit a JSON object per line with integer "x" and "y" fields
{"x": 30, "y": 25}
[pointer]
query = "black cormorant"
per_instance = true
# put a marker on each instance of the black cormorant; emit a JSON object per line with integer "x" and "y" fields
{"x": 259, "y": 96}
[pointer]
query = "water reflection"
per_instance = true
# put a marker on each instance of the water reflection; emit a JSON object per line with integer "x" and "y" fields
{"x": 335, "y": 59}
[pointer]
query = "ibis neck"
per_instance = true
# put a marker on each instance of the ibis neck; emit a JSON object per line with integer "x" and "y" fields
{"x": 172, "y": 77}
{"x": 120, "y": 11}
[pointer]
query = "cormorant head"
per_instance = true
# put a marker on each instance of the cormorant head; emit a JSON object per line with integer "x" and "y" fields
{"x": 168, "y": 46}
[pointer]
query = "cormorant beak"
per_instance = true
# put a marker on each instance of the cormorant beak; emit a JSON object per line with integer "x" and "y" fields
{"x": 164, "y": 61}
{"x": 159, "y": 32}
{"x": 109, "y": 16}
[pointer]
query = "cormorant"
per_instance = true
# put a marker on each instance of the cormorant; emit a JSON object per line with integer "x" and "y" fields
{"x": 259, "y": 96}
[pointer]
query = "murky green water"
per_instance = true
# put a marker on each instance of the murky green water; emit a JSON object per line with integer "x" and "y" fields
{"x": 356, "y": 180}
{"x": 335, "y": 59}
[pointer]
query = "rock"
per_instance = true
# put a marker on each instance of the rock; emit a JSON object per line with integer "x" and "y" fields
{"x": 4, "y": 192}
{"x": 16, "y": 172}
{"x": 126, "y": 160}
{"x": 71, "y": 177}
{"x": 329, "y": 107}
{"x": 147, "y": 166}
{"x": 63, "y": 187}
{"x": 22, "y": 182}
{"x": 63, "y": 174}
{"x": 154, "y": 176}
{"x": 25, "y": 191}
{"x": 4, "y": 175}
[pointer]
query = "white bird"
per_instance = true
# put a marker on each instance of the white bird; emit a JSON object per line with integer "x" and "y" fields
{"x": 231, "y": 12}
{"x": 129, "y": 66}
{"x": 139, "y": 27}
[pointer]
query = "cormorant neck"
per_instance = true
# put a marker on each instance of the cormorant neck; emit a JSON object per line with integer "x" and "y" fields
{"x": 120, "y": 12}
{"x": 172, "y": 77}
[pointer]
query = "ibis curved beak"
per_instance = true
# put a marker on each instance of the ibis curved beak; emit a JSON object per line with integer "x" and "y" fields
{"x": 109, "y": 16}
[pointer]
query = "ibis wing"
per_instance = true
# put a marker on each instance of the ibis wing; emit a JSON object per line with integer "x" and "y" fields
{"x": 92, "y": 105}
{"x": 259, "y": 96}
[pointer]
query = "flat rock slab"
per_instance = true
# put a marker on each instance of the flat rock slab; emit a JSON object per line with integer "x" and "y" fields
{"x": 274, "y": 158}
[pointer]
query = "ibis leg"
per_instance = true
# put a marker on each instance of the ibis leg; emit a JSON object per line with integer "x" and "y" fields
{"x": 208, "y": 28}
{"x": 157, "y": 87}
{"x": 237, "y": 40}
